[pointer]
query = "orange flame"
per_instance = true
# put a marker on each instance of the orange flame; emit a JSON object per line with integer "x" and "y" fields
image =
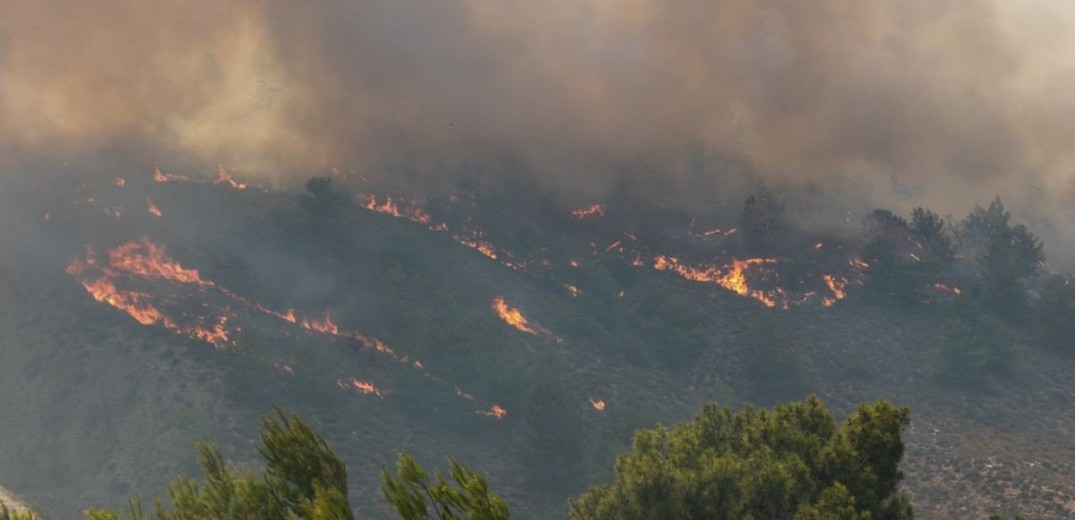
{"x": 364, "y": 387}
{"x": 153, "y": 263}
{"x": 594, "y": 210}
{"x": 223, "y": 177}
{"x": 512, "y": 316}
{"x": 138, "y": 306}
{"x": 162, "y": 177}
{"x": 731, "y": 277}
{"x": 836, "y": 285}
{"x": 153, "y": 209}
{"x": 496, "y": 411}
{"x": 597, "y": 404}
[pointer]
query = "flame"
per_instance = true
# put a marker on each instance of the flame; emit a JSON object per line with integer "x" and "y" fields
{"x": 594, "y": 210}
{"x": 476, "y": 242}
{"x": 410, "y": 212}
{"x": 947, "y": 289}
{"x": 512, "y": 316}
{"x": 495, "y": 411}
{"x": 121, "y": 182}
{"x": 138, "y": 305}
{"x": 859, "y": 263}
{"x": 597, "y": 404}
{"x": 575, "y": 264}
{"x": 153, "y": 209}
{"x": 819, "y": 245}
{"x": 325, "y": 326}
{"x": 836, "y": 286}
{"x": 152, "y": 263}
{"x": 622, "y": 292}
{"x": 223, "y": 177}
{"x": 731, "y": 277}
{"x": 364, "y": 387}
{"x": 571, "y": 289}
{"x": 162, "y": 177}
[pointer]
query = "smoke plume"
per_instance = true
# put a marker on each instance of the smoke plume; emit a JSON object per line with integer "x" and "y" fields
{"x": 952, "y": 101}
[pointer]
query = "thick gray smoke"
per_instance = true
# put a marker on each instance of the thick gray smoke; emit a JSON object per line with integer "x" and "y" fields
{"x": 954, "y": 100}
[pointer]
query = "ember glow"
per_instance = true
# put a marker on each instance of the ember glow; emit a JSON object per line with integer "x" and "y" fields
{"x": 597, "y": 404}
{"x": 512, "y": 316}
{"x": 596, "y": 210}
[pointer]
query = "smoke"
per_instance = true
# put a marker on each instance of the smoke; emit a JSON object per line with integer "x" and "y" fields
{"x": 956, "y": 101}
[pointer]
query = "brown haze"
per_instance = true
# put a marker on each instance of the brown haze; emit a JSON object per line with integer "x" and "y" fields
{"x": 959, "y": 99}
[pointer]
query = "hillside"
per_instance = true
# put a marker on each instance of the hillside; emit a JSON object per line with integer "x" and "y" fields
{"x": 377, "y": 320}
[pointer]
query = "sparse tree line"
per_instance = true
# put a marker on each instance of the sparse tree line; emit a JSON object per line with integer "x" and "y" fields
{"x": 791, "y": 462}
{"x": 986, "y": 272}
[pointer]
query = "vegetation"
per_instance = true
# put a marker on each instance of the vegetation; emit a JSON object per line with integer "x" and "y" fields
{"x": 302, "y": 478}
{"x": 791, "y": 462}
{"x": 413, "y": 494}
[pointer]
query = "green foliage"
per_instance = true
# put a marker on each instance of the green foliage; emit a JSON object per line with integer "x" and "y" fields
{"x": 937, "y": 250}
{"x": 906, "y": 258}
{"x": 791, "y": 462}
{"x": 415, "y": 496}
{"x": 1007, "y": 255}
{"x": 303, "y": 479}
{"x": 1054, "y": 313}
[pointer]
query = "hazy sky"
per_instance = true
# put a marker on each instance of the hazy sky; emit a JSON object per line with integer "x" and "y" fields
{"x": 962, "y": 98}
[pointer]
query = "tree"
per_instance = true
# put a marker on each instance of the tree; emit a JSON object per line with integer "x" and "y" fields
{"x": 303, "y": 479}
{"x": 791, "y": 462}
{"x": 413, "y": 494}
{"x": 1054, "y": 313}
{"x": 1007, "y": 255}
{"x": 906, "y": 258}
{"x": 938, "y": 252}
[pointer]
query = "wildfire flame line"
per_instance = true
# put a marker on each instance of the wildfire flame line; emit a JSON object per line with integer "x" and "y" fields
{"x": 512, "y": 316}
{"x": 145, "y": 260}
{"x": 731, "y": 277}
{"x": 596, "y": 210}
